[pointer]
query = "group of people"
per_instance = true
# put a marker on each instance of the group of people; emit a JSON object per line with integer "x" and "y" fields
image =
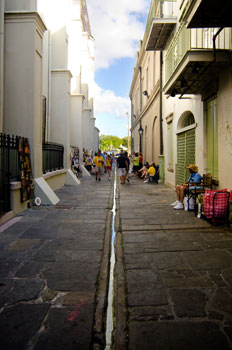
{"x": 103, "y": 162}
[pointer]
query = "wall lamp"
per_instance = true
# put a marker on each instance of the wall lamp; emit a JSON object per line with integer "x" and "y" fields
{"x": 140, "y": 130}
{"x": 145, "y": 93}
{"x": 174, "y": 92}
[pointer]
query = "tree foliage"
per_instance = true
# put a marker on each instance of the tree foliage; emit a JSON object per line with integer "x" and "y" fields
{"x": 109, "y": 142}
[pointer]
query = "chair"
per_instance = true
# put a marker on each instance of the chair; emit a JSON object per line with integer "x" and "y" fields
{"x": 195, "y": 189}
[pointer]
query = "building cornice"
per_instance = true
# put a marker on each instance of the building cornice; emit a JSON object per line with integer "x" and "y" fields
{"x": 78, "y": 95}
{"x": 64, "y": 71}
{"x": 18, "y": 16}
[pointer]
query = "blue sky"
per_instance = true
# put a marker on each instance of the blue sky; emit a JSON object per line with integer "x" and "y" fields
{"x": 117, "y": 27}
{"x": 116, "y": 78}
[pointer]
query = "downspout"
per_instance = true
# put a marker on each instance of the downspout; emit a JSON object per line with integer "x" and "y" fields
{"x": 132, "y": 146}
{"x": 140, "y": 87}
{"x": 161, "y": 104}
{"x": 141, "y": 104}
{"x": 161, "y": 155}
{"x": 48, "y": 126}
{"x": 2, "y": 11}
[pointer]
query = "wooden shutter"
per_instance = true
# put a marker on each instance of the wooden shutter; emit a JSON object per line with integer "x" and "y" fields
{"x": 185, "y": 154}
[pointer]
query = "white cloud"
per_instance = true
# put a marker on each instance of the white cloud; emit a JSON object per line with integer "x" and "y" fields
{"x": 106, "y": 102}
{"x": 116, "y": 26}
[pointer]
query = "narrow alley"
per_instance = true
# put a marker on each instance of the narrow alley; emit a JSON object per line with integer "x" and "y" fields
{"x": 172, "y": 275}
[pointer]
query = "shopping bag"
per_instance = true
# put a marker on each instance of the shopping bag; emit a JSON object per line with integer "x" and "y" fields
{"x": 218, "y": 207}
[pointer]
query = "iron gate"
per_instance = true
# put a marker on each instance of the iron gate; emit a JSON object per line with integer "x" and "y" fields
{"x": 9, "y": 169}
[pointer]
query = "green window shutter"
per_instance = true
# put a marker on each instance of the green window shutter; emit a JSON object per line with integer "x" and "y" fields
{"x": 185, "y": 154}
{"x": 181, "y": 149}
{"x": 190, "y": 150}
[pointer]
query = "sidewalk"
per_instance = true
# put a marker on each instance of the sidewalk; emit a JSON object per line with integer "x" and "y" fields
{"x": 177, "y": 272}
{"x": 50, "y": 266}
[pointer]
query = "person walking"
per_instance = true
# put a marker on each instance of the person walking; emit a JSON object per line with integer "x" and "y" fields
{"x": 122, "y": 166}
{"x": 109, "y": 165}
{"x": 127, "y": 166}
{"x": 99, "y": 162}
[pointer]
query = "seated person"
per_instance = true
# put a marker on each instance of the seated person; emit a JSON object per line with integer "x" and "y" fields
{"x": 151, "y": 173}
{"x": 194, "y": 178}
{"x": 144, "y": 170}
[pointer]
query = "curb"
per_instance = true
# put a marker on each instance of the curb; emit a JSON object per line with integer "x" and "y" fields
{"x": 103, "y": 281}
{"x": 120, "y": 302}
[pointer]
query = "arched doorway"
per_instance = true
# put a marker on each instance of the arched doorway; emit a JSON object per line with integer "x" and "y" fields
{"x": 185, "y": 145}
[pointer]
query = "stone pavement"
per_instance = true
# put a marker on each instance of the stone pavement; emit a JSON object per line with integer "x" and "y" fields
{"x": 52, "y": 290}
{"x": 177, "y": 274}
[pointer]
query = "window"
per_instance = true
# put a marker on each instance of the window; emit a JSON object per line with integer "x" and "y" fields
{"x": 188, "y": 120}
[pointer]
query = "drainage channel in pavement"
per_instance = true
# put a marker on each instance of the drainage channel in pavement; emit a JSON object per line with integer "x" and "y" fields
{"x": 110, "y": 310}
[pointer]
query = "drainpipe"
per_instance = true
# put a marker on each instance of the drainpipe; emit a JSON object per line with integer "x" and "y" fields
{"x": 214, "y": 43}
{"x": 161, "y": 104}
{"x": 161, "y": 155}
{"x": 2, "y": 10}
{"x": 48, "y": 121}
{"x": 140, "y": 86}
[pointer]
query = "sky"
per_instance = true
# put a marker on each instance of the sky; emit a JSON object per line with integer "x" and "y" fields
{"x": 117, "y": 26}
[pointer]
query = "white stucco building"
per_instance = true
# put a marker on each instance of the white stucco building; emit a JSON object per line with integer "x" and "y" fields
{"x": 46, "y": 75}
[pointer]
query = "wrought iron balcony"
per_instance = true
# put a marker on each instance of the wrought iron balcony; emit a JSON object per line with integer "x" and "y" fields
{"x": 161, "y": 21}
{"x": 208, "y": 13}
{"x": 191, "y": 60}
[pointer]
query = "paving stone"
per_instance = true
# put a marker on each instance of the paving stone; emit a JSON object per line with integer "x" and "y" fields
{"x": 228, "y": 331}
{"x": 189, "y": 302}
{"x": 154, "y": 297}
{"x": 78, "y": 298}
{"x": 166, "y": 260}
{"x": 19, "y": 324}
{"x": 67, "y": 255}
{"x": 22, "y": 290}
{"x": 181, "y": 335}
{"x": 8, "y": 267}
{"x": 216, "y": 235}
{"x": 31, "y": 269}
{"x": 71, "y": 244}
{"x": 183, "y": 282}
{"x": 179, "y": 246}
{"x": 227, "y": 276}
{"x": 142, "y": 280}
{"x": 222, "y": 301}
{"x": 23, "y": 244}
{"x": 150, "y": 313}
{"x": 208, "y": 260}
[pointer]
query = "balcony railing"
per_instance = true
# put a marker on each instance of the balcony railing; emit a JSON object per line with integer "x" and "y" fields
{"x": 53, "y": 157}
{"x": 194, "y": 40}
{"x": 160, "y": 9}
